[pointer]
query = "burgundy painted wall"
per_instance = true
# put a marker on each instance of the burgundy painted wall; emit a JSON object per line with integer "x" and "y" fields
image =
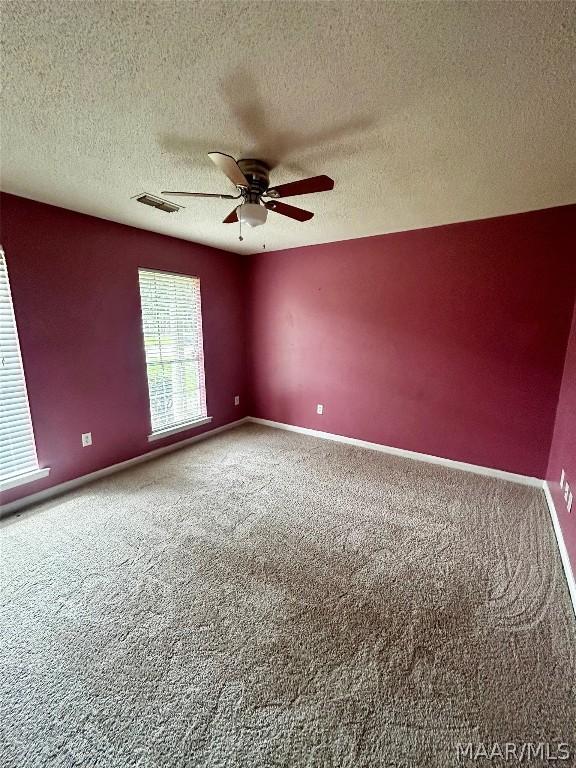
{"x": 448, "y": 341}
{"x": 74, "y": 281}
{"x": 563, "y": 451}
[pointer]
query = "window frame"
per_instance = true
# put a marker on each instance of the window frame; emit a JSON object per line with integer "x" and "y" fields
{"x": 37, "y": 473}
{"x": 172, "y": 429}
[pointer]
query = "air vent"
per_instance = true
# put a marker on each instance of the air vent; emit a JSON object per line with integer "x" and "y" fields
{"x": 157, "y": 202}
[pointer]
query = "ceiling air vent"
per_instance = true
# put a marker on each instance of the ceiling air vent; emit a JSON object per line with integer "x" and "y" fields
{"x": 157, "y": 202}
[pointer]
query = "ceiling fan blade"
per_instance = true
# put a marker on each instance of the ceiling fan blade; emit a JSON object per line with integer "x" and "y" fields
{"x": 201, "y": 194}
{"x": 289, "y": 210}
{"x": 303, "y": 187}
{"x": 230, "y": 167}
{"x": 231, "y": 218}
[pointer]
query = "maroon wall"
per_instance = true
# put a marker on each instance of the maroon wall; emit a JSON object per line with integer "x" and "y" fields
{"x": 448, "y": 341}
{"x": 74, "y": 281}
{"x": 563, "y": 451}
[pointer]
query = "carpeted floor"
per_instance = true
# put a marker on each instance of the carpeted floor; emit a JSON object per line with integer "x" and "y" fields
{"x": 266, "y": 599}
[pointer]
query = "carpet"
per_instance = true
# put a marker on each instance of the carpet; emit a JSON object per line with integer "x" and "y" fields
{"x": 267, "y": 599}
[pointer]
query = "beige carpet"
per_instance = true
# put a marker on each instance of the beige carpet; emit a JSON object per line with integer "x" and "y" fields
{"x": 267, "y": 599}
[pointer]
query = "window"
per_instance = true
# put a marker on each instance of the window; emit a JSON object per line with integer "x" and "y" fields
{"x": 18, "y": 460}
{"x": 172, "y": 328}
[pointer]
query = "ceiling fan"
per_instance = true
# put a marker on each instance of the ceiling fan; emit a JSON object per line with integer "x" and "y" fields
{"x": 251, "y": 180}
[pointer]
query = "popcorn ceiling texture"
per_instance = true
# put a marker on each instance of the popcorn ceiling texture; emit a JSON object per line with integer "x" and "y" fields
{"x": 423, "y": 113}
{"x": 267, "y": 599}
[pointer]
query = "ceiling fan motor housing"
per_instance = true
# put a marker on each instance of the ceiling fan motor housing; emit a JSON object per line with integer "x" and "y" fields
{"x": 256, "y": 172}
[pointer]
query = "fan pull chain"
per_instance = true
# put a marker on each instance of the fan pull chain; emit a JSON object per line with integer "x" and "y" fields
{"x": 240, "y": 222}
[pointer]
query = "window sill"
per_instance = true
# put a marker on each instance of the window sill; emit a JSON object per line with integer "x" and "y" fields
{"x": 179, "y": 428}
{"x": 27, "y": 477}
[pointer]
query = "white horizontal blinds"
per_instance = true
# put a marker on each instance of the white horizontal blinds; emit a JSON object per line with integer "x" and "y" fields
{"x": 172, "y": 328}
{"x": 17, "y": 447}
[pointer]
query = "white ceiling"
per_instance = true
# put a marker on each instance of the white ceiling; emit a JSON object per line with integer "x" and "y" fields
{"x": 423, "y": 113}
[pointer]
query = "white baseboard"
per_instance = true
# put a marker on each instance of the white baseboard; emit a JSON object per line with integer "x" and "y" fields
{"x": 561, "y": 545}
{"x": 56, "y": 490}
{"x": 461, "y": 465}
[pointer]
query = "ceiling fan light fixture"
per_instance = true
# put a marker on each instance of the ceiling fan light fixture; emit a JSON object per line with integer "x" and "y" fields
{"x": 252, "y": 214}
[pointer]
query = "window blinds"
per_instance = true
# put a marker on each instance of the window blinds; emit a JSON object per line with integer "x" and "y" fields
{"x": 172, "y": 329}
{"x": 17, "y": 447}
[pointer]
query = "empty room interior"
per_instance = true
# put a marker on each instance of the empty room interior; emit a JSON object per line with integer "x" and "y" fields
{"x": 287, "y": 384}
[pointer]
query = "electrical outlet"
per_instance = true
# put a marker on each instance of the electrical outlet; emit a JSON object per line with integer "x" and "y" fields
{"x": 565, "y": 486}
{"x": 236, "y": 399}
{"x": 86, "y": 439}
{"x": 319, "y": 409}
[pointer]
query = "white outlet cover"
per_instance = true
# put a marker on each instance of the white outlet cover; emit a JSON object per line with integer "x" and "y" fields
{"x": 86, "y": 439}
{"x": 237, "y": 400}
{"x": 319, "y": 409}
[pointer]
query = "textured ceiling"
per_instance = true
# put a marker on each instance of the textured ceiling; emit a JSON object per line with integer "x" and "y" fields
{"x": 423, "y": 113}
